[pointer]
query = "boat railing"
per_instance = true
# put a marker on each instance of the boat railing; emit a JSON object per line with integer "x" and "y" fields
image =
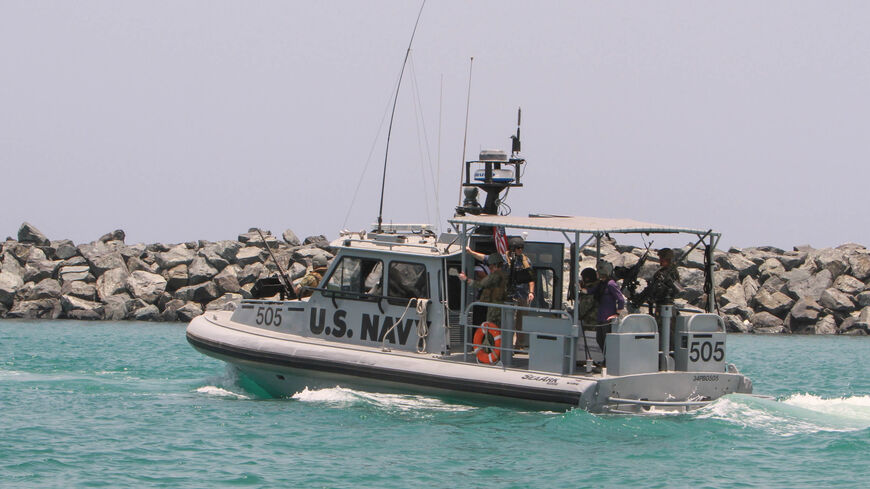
{"x": 506, "y": 349}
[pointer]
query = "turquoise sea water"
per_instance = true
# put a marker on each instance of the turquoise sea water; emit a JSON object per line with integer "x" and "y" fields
{"x": 104, "y": 404}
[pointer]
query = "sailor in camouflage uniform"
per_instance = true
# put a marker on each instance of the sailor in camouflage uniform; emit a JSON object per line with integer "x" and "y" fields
{"x": 664, "y": 285}
{"x": 494, "y": 287}
{"x": 312, "y": 278}
{"x": 663, "y": 288}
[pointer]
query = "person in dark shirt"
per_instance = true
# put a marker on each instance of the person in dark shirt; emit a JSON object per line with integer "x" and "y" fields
{"x": 610, "y": 301}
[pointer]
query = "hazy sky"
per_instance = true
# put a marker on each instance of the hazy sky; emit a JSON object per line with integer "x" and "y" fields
{"x": 184, "y": 120}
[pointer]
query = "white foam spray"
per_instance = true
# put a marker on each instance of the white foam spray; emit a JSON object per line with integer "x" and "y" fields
{"x": 798, "y": 414}
{"x": 401, "y": 402}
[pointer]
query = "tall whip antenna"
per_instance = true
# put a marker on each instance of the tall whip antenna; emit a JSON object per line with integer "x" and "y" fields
{"x": 390, "y": 130}
{"x": 465, "y": 137}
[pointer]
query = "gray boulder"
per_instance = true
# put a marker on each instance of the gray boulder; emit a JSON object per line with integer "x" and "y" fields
{"x": 291, "y": 239}
{"x": 298, "y": 270}
{"x": 21, "y": 251}
{"x": 116, "y": 307}
{"x": 102, "y": 257}
{"x": 792, "y": 259}
{"x": 320, "y": 241}
{"x": 24, "y": 291}
{"x": 692, "y": 283}
{"x": 37, "y": 270}
{"x": 177, "y": 255}
{"x": 735, "y": 324}
{"x": 227, "y": 250}
{"x": 64, "y": 249}
{"x": 169, "y": 310}
{"x": 71, "y": 303}
{"x": 146, "y": 313}
{"x": 803, "y": 283}
{"x": 226, "y": 302}
{"x": 725, "y": 278}
{"x": 202, "y": 293}
{"x": 252, "y": 272}
{"x": 200, "y": 271}
{"x": 742, "y": 311}
{"x": 849, "y": 285}
{"x": 860, "y": 265}
{"x": 770, "y": 267}
{"x": 775, "y": 303}
{"x": 135, "y": 263}
{"x": 46, "y": 289}
{"x": 695, "y": 259}
{"x": 75, "y": 273}
{"x": 863, "y": 299}
{"x": 216, "y": 261}
{"x": 735, "y": 261}
{"x": 252, "y": 238}
{"x": 145, "y": 285}
{"x": 623, "y": 260}
{"x": 116, "y": 235}
{"x": 306, "y": 255}
{"x": 805, "y": 311}
{"x": 750, "y": 287}
{"x": 36, "y": 309}
{"x": 227, "y": 280}
{"x": 774, "y": 284}
{"x": 28, "y": 233}
{"x": 131, "y": 251}
{"x": 765, "y": 322}
{"x": 155, "y": 248}
{"x": 734, "y": 295}
{"x": 79, "y": 289}
{"x": 832, "y": 260}
{"x": 188, "y": 311}
{"x": 836, "y": 300}
{"x": 249, "y": 255}
{"x": 9, "y": 285}
{"x": 826, "y": 325}
{"x": 760, "y": 254}
{"x": 858, "y": 324}
{"x": 11, "y": 264}
{"x": 83, "y": 315}
{"x": 176, "y": 277}
{"x": 111, "y": 283}
{"x": 74, "y": 261}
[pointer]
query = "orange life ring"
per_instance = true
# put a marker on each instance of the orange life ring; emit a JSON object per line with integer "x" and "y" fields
{"x": 491, "y": 350}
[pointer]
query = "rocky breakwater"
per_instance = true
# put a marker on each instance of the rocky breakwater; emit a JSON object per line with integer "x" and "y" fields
{"x": 770, "y": 290}
{"x": 109, "y": 279}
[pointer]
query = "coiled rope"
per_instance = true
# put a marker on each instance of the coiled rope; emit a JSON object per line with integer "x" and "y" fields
{"x": 421, "y": 307}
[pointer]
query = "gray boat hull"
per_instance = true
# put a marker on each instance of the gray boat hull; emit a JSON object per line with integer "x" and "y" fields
{"x": 283, "y": 364}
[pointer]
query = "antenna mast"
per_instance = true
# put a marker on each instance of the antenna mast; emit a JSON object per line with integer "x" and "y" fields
{"x": 465, "y": 137}
{"x": 390, "y": 130}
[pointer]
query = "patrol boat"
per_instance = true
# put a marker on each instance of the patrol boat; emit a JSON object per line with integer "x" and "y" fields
{"x": 391, "y": 314}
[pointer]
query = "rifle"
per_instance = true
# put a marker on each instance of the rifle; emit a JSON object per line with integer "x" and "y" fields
{"x": 629, "y": 279}
{"x": 285, "y": 283}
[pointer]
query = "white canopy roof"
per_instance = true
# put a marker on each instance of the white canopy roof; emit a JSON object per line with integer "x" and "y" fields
{"x": 574, "y": 224}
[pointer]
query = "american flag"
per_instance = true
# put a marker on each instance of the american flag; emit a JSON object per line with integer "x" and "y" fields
{"x": 501, "y": 244}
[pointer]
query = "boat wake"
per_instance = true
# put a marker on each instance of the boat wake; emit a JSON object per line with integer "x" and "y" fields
{"x": 795, "y": 415}
{"x": 229, "y": 386}
{"x": 212, "y": 390}
{"x": 400, "y": 402}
